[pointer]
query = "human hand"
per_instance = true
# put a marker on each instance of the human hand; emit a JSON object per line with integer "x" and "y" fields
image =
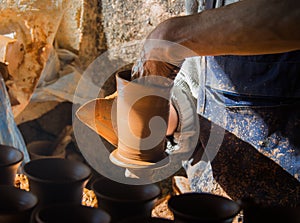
{"x": 154, "y": 67}
{"x": 112, "y": 96}
{"x": 162, "y": 54}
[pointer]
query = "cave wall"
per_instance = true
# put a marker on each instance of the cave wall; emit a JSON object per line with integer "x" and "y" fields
{"x": 91, "y": 27}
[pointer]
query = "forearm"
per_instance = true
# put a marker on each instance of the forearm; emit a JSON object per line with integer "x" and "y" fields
{"x": 244, "y": 28}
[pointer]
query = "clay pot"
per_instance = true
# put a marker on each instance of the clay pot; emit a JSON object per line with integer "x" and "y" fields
{"x": 10, "y": 160}
{"x": 258, "y": 213}
{"x": 142, "y": 117}
{"x": 145, "y": 220}
{"x": 43, "y": 149}
{"x": 203, "y": 208}
{"x": 16, "y": 205}
{"x": 56, "y": 180}
{"x": 70, "y": 213}
{"x": 272, "y": 214}
{"x": 122, "y": 200}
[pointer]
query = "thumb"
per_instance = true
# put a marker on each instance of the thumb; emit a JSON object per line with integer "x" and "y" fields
{"x": 112, "y": 96}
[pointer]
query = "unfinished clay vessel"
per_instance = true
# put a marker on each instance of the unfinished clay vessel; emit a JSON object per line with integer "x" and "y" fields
{"x": 97, "y": 115}
{"x": 10, "y": 160}
{"x": 203, "y": 208}
{"x": 16, "y": 205}
{"x": 142, "y": 118}
{"x": 122, "y": 200}
{"x": 56, "y": 180}
{"x": 70, "y": 213}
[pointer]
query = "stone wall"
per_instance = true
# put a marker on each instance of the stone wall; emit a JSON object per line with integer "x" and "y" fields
{"x": 90, "y": 27}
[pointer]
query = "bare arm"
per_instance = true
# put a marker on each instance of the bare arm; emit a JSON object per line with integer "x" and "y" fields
{"x": 244, "y": 28}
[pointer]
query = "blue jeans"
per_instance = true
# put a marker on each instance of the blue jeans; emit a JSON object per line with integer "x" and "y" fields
{"x": 256, "y": 99}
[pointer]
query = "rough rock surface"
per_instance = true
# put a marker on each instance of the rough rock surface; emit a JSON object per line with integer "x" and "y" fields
{"x": 90, "y": 27}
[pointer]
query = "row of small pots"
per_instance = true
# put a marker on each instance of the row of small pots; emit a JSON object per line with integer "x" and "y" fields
{"x": 57, "y": 181}
{"x": 56, "y": 188}
{"x": 20, "y": 206}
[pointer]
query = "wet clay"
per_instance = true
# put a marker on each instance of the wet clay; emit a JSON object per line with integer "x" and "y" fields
{"x": 142, "y": 117}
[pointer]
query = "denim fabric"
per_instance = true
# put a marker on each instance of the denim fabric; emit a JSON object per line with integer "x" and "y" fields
{"x": 257, "y": 98}
{"x": 268, "y": 78}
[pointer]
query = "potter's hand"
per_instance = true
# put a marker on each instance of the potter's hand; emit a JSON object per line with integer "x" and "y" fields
{"x": 154, "y": 67}
{"x": 212, "y": 32}
{"x": 112, "y": 96}
{"x": 161, "y": 52}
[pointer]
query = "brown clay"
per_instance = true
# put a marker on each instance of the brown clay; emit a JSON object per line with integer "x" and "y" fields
{"x": 123, "y": 120}
{"x": 96, "y": 114}
{"x": 138, "y": 104}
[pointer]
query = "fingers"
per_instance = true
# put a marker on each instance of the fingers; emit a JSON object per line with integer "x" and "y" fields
{"x": 158, "y": 68}
{"x": 173, "y": 120}
{"x": 115, "y": 94}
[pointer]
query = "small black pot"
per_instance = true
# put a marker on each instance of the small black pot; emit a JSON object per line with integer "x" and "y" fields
{"x": 16, "y": 205}
{"x": 10, "y": 160}
{"x": 145, "y": 220}
{"x": 56, "y": 180}
{"x": 70, "y": 213}
{"x": 123, "y": 201}
{"x": 203, "y": 208}
{"x": 43, "y": 149}
{"x": 254, "y": 212}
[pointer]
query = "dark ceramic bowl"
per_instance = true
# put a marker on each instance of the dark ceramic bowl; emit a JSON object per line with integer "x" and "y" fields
{"x": 261, "y": 213}
{"x": 56, "y": 180}
{"x": 10, "y": 160}
{"x": 16, "y": 205}
{"x": 70, "y": 213}
{"x": 203, "y": 207}
{"x": 145, "y": 220}
{"x": 123, "y": 201}
{"x": 43, "y": 149}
